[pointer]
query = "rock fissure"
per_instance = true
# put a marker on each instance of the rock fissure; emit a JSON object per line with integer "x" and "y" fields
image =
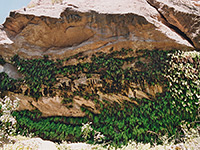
{"x": 173, "y": 27}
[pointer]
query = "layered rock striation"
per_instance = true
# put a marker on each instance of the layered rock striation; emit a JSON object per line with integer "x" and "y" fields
{"x": 64, "y": 28}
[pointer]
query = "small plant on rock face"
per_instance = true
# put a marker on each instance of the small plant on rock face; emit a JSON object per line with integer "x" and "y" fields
{"x": 87, "y": 133}
{"x": 7, "y": 121}
{"x": 86, "y": 130}
{"x": 2, "y": 61}
{"x": 98, "y": 137}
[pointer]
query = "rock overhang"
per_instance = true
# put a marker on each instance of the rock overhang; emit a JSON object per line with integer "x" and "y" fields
{"x": 80, "y": 25}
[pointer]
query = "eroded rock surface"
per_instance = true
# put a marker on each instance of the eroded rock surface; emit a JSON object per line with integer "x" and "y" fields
{"x": 52, "y": 106}
{"x": 11, "y": 71}
{"x": 182, "y": 16}
{"x": 86, "y": 26}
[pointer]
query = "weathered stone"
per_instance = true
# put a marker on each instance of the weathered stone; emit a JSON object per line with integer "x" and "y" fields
{"x": 78, "y": 31}
{"x": 81, "y": 81}
{"x": 182, "y": 17}
{"x": 115, "y": 98}
{"x": 25, "y": 102}
{"x": 52, "y": 106}
{"x": 36, "y": 143}
{"x": 1, "y": 68}
{"x": 12, "y": 71}
{"x": 62, "y": 81}
{"x": 140, "y": 94}
{"x": 130, "y": 93}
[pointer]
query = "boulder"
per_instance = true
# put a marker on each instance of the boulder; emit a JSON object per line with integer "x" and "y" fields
{"x": 140, "y": 94}
{"x": 31, "y": 143}
{"x": 11, "y": 71}
{"x": 64, "y": 29}
{"x": 111, "y": 98}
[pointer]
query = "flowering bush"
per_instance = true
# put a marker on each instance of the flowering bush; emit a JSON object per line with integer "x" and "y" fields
{"x": 87, "y": 132}
{"x": 98, "y": 137}
{"x": 184, "y": 79}
{"x": 7, "y": 121}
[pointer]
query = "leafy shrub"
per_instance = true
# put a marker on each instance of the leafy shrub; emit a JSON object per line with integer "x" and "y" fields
{"x": 7, "y": 121}
{"x": 184, "y": 80}
{"x": 37, "y": 72}
{"x": 2, "y": 61}
{"x": 145, "y": 122}
{"x": 86, "y": 129}
{"x": 6, "y": 83}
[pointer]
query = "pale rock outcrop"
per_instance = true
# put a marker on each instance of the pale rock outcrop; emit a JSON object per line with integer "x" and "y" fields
{"x": 3, "y": 37}
{"x": 1, "y": 68}
{"x": 30, "y": 143}
{"x": 11, "y": 71}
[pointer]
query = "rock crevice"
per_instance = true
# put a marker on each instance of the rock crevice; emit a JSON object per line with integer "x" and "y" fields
{"x": 183, "y": 23}
{"x": 173, "y": 27}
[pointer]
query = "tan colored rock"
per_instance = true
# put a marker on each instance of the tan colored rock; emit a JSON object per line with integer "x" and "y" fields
{"x": 130, "y": 93}
{"x": 115, "y": 98}
{"x": 25, "y": 102}
{"x": 94, "y": 81}
{"x": 135, "y": 86}
{"x": 81, "y": 81}
{"x": 52, "y": 106}
{"x": 183, "y": 16}
{"x": 76, "y": 31}
{"x": 79, "y": 101}
{"x": 71, "y": 62}
{"x": 63, "y": 80}
{"x": 153, "y": 89}
{"x": 140, "y": 94}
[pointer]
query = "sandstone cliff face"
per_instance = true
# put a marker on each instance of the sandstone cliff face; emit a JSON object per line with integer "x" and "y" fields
{"x": 86, "y": 26}
{"x": 66, "y": 28}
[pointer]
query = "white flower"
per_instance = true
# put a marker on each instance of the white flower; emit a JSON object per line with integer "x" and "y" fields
{"x": 8, "y": 122}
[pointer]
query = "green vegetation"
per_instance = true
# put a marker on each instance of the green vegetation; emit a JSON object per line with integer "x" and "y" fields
{"x": 118, "y": 124}
{"x": 6, "y": 83}
{"x": 2, "y": 61}
{"x": 38, "y": 72}
{"x": 145, "y": 122}
{"x": 42, "y": 73}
